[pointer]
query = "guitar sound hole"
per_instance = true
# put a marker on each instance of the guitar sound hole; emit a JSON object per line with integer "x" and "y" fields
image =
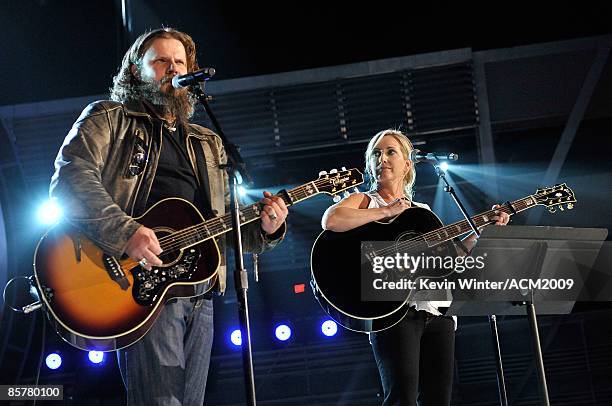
{"x": 171, "y": 251}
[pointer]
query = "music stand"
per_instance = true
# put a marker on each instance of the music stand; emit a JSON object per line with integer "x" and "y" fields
{"x": 529, "y": 252}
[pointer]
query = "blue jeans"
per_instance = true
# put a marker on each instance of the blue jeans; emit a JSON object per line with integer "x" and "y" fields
{"x": 416, "y": 358}
{"x": 169, "y": 365}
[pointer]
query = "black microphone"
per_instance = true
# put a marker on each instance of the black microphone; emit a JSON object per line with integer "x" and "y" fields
{"x": 193, "y": 78}
{"x": 417, "y": 156}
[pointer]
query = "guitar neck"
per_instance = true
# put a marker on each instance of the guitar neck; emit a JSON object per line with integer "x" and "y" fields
{"x": 220, "y": 225}
{"x": 459, "y": 228}
{"x": 223, "y": 224}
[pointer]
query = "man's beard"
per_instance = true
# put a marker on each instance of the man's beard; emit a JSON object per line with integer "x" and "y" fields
{"x": 177, "y": 103}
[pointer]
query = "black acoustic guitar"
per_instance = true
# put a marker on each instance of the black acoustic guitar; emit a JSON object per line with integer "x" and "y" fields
{"x": 337, "y": 258}
{"x": 99, "y": 302}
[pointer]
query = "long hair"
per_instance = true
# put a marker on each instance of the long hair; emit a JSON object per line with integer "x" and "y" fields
{"x": 406, "y": 147}
{"x": 125, "y": 84}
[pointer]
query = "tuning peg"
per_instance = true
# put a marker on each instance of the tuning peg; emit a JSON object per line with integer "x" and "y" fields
{"x": 344, "y": 168}
{"x": 561, "y": 207}
{"x": 355, "y": 190}
{"x": 322, "y": 173}
{"x": 346, "y": 194}
{"x": 570, "y": 206}
{"x": 552, "y": 209}
{"x": 333, "y": 171}
{"x": 336, "y": 198}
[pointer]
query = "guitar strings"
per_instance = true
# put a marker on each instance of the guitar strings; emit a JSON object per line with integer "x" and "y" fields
{"x": 427, "y": 237}
{"x": 463, "y": 225}
{"x": 216, "y": 226}
{"x": 430, "y": 236}
{"x": 520, "y": 205}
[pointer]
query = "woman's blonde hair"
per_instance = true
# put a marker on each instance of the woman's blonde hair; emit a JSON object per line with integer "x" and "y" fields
{"x": 406, "y": 147}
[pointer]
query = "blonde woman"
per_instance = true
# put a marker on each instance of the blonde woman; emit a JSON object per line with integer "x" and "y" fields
{"x": 415, "y": 357}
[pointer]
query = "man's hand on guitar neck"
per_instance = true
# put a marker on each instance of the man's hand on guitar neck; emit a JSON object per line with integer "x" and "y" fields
{"x": 143, "y": 247}
{"x": 273, "y": 214}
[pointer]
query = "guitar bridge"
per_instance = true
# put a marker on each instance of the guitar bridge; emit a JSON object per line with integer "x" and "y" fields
{"x": 115, "y": 271}
{"x": 368, "y": 251}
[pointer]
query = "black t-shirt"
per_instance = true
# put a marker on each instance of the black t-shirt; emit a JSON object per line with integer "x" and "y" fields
{"x": 174, "y": 176}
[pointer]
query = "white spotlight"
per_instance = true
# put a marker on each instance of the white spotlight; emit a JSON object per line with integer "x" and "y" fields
{"x": 236, "y": 338}
{"x": 283, "y": 332}
{"x": 49, "y": 212}
{"x": 53, "y": 360}
{"x": 329, "y": 328}
{"x": 96, "y": 357}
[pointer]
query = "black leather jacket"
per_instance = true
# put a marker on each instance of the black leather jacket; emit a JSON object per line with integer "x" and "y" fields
{"x": 105, "y": 168}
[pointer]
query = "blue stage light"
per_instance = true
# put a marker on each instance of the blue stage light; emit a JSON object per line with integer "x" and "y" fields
{"x": 49, "y": 212}
{"x": 96, "y": 357}
{"x": 444, "y": 166}
{"x": 236, "y": 338}
{"x": 242, "y": 191}
{"x": 329, "y": 328}
{"x": 283, "y": 332}
{"x": 53, "y": 360}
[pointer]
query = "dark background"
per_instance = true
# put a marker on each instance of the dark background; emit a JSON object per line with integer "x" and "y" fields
{"x": 52, "y": 49}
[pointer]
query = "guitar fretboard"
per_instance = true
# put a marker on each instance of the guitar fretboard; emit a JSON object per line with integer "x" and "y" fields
{"x": 462, "y": 227}
{"x": 222, "y": 224}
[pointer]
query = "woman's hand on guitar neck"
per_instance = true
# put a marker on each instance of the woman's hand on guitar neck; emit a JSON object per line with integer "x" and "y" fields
{"x": 143, "y": 245}
{"x": 499, "y": 219}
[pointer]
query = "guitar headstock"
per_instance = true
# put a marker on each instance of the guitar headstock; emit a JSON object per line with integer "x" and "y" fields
{"x": 336, "y": 182}
{"x": 555, "y": 197}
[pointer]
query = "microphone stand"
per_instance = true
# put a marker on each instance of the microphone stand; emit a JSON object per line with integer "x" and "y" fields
{"x": 236, "y": 167}
{"x": 501, "y": 383}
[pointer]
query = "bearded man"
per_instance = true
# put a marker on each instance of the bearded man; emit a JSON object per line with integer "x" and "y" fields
{"x": 126, "y": 154}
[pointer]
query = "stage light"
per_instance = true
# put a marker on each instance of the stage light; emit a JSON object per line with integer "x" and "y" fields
{"x": 53, "y": 360}
{"x": 96, "y": 357}
{"x": 242, "y": 191}
{"x": 282, "y": 332}
{"x": 49, "y": 212}
{"x": 236, "y": 338}
{"x": 444, "y": 166}
{"x": 329, "y": 328}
